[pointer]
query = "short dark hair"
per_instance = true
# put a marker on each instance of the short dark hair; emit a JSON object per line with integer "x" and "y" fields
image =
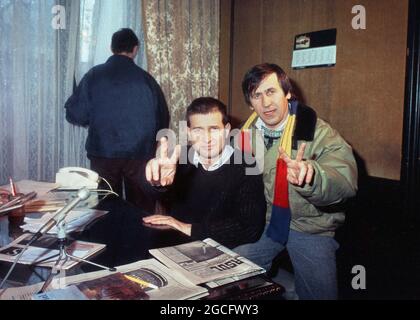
{"x": 124, "y": 40}
{"x": 206, "y": 105}
{"x": 258, "y": 73}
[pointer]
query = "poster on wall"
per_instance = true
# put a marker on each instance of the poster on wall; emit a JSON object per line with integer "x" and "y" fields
{"x": 315, "y": 49}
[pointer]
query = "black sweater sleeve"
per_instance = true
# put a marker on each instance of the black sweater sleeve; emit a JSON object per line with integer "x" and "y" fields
{"x": 155, "y": 193}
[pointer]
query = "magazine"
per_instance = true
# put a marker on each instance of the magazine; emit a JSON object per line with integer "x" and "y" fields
{"x": 53, "y": 201}
{"x": 69, "y": 293}
{"x": 161, "y": 282}
{"x": 170, "y": 285}
{"x": 44, "y": 252}
{"x": 207, "y": 262}
{"x": 112, "y": 287}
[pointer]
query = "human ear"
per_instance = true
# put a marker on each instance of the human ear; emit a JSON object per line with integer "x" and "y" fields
{"x": 227, "y": 129}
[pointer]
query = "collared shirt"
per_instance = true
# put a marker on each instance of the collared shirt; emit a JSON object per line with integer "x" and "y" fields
{"x": 259, "y": 124}
{"x": 271, "y": 135}
{"x": 224, "y": 157}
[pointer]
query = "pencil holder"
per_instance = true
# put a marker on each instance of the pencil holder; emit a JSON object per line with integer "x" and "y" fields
{"x": 17, "y": 215}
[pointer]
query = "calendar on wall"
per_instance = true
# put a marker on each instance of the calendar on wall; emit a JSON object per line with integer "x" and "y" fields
{"x": 315, "y": 49}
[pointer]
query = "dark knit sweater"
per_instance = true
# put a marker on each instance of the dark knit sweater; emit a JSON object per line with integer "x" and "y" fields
{"x": 226, "y": 204}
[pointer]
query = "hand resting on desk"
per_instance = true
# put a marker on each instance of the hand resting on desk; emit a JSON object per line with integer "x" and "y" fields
{"x": 161, "y": 220}
{"x": 157, "y": 226}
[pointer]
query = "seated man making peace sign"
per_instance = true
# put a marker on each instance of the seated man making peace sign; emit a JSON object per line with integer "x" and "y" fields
{"x": 309, "y": 174}
{"x": 211, "y": 195}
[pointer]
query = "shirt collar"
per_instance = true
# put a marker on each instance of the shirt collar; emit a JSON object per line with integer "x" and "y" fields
{"x": 224, "y": 157}
{"x": 259, "y": 124}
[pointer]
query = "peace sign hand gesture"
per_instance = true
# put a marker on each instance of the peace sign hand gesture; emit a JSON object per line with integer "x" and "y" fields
{"x": 160, "y": 171}
{"x": 298, "y": 170}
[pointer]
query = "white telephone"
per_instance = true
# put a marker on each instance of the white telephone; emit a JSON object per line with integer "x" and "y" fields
{"x": 76, "y": 178}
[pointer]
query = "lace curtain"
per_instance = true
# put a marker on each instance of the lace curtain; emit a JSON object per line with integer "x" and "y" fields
{"x": 38, "y": 65}
{"x": 99, "y": 20}
{"x": 182, "y": 38}
{"x": 31, "y": 86}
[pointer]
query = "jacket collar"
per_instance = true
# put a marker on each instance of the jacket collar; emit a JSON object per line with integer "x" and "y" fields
{"x": 120, "y": 58}
{"x": 305, "y": 122}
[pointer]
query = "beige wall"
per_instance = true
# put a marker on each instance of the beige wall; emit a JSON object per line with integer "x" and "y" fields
{"x": 362, "y": 96}
{"x": 226, "y": 7}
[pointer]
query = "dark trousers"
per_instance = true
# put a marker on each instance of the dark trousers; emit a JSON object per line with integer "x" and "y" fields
{"x": 124, "y": 172}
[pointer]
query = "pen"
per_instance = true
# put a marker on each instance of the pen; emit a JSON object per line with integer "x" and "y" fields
{"x": 3, "y": 210}
{"x": 28, "y": 196}
{"x": 12, "y": 187}
{"x": 21, "y": 199}
{"x": 141, "y": 282}
{"x": 11, "y": 202}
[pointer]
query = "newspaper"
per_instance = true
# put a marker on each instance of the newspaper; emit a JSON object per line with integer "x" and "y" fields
{"x": 44, "y": 252}
{"x": 76, "y": 220}
{"x": 207, "y": 262}
{"x": 115, "y": 286}
{"x": 26, "y": 186}
{"x": 171, "y": 286}
{"x": 69, "y": 293}
{"x": 20, "y": 293}
{"x": 53, "y": 201}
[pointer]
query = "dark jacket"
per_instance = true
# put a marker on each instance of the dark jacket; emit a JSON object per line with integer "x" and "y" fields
{"x": 124, "y": 108}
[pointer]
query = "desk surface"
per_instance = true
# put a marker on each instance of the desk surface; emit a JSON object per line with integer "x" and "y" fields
{"x": 127, "y": 240}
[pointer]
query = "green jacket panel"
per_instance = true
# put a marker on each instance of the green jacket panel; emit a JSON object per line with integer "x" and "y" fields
{"x": 318, "y": 208}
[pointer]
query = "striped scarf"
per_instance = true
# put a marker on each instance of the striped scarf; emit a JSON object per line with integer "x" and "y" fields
{"x": 279, "y": 226}
{"x": 271, "y": 136}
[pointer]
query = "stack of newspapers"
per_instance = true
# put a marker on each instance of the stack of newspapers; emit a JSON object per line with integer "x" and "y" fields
{"x": 76, "y": 220}
{"x": 185, "y": 272}
{"x": 207, "y": 262}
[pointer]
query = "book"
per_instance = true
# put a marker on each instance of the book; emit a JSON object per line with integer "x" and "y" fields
{"x": 111, "y": 287}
